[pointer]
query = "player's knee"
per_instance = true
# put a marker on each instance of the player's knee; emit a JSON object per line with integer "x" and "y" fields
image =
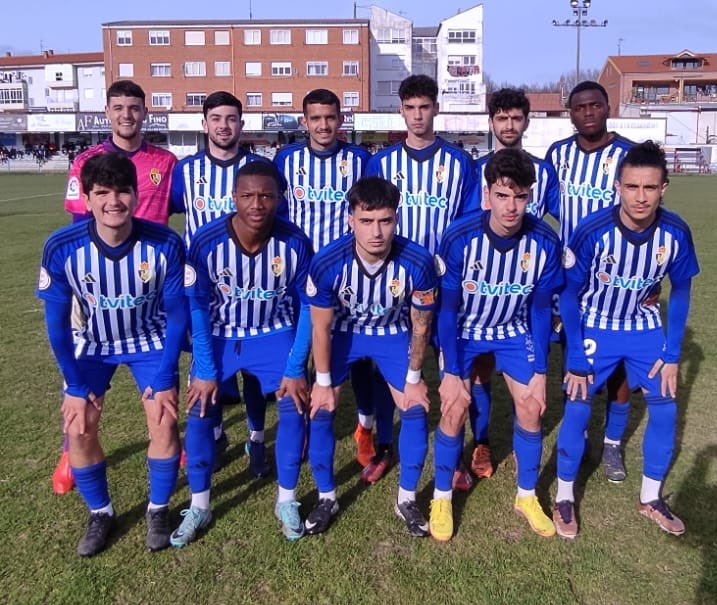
{"x": 163, "y": 434}
{"x": 453, "y": 421}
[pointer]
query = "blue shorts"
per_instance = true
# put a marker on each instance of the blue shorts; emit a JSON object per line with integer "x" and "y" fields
{"x": 98, "y": 371}
{"x": 263, "y": 356}
{"x": 514, "y": 356}
{"x": 638, "y": 350}
{"x": 389, "y": 352}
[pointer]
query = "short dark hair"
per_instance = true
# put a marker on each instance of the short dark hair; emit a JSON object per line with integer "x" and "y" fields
{"x": 219, "y": 98}
{"x": 648, "y": 154}
{"x": 373, "y": 193}
{"x": 114, "y": 170}
{"x": 508, "y": 98}
{"x": 321, "y": 96}
{"x": 418, "y": 86}
{"x": 588, "y": 85}
{"x": 261, "y": 168}
{"x": 125, "y": 88}
{"x": 512, "y": 164}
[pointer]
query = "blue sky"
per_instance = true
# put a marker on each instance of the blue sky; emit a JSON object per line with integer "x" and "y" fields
{"x": 521, "y": 45}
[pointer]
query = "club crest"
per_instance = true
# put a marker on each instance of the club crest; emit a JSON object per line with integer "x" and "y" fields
{"x": 155, "y": 176}
{"x": 277, "y": 265}
{"x": 145, "y": 271}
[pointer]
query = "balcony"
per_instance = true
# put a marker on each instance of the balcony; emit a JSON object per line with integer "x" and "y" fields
{"x": 60, "y": 106}
{"x": 13, "y": 96}
{"x": 463, "y": 71}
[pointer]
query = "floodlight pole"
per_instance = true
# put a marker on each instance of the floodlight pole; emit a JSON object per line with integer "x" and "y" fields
{"x": 580, "y": 12}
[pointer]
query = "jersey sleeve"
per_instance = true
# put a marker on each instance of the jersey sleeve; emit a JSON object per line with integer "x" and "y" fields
{"x": 303, "y": 262}
{"x": 197, "y": 283}
{"x": 425, "y": 287}
{"x": 449, "y": 263}
{"x": 470, "y": 197}
{"x": 373, "y": 167}
{"x": 74, "y": 202}
{"x": 319, "y": 285}
{"x": 551, "y": 279}
{"x": 52, "y": 283}
{"x": 685, "y": 265}
{"x": 552, "y": 192}
{"x": 174, "y": 281}
{"x": 176, "y": 193}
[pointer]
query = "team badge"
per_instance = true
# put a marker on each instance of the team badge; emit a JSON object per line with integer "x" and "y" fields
{"x": 606, "y": 166}
{"x": 311, "y": 287}
{"x": 155, "y": 176}
{"x": 399, "y": 176}
{"x": 525, "y": 261}
{"x": 44, "y": 282}
{"x": 568, "y": 258}
{"x": 190, "y": 276}
{"x": 440, "y": 173}
{"x": 145, "y": 271}
{"x": 88, "y": 278}
{"x": 277, "y": 265}
{"x": 440, "y": 265}
{"x": 476, "y": 266}
{"x": 301, "y": 171}
{"x": 396, "y": 288}
{"x": 73, "y": 189}
{"x": 660, "y": 255}
{"x": 344, "y": 168}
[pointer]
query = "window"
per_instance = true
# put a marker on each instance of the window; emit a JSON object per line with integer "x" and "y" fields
{"x": 124, "y": 37}
{"x": 252, "y": 37}
{"x": 196, "y": 99}
{"x": 159, "y": 37}
{"x": 387, "y": 87}
{"x": 462, "y": 36}
{"x": 281, "y": 69}
{"x": 461, "y": 60}
{"x": 12, "y": 96}
{"x": 686, "y": 63}
{"x": 351, "y": 36}
{"x": 252, "y": 68}
{"x": 280, "y": 36}
{"x": 222, "y": 68}
{"x": 89, "y": 93}
{"x": 253, "y": 99}
{"x": 317, "y": 68}
{"x": 87, "y": 72}
{"x": 351, "y": 99}
{"x": 351, "y": 68}
{"x": 160, "y": 70}
{"x": 162, "y": 99}
{"x": 317, "y": 36}
{"x": 58, "y": 74}
{"x": 194, "y": 38}
{"x": 389, "y": 35}
{"x": 126, "y": 70}
{"x": 460, "y": 87}
{"x": 281, "y": 99}
{"x": 195, "y": 69}
{"x": 221, "y": 38}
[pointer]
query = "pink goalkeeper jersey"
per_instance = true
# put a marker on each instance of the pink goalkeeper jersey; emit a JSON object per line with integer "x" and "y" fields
{"x": 154, "y": 179}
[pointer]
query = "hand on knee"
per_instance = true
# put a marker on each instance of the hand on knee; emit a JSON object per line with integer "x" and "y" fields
{"x": 452, "y": 422}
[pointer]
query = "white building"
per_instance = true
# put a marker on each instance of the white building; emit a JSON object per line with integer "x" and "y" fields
{"x": 390, "y": 57}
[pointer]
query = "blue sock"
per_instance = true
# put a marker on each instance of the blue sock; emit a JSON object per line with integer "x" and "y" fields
{"x": 199, "y": 445}
{"x": 361, "y": 381}
{"x": 447, "y": 449}
{"x": 480, "y": 411}
{"x": 616, "y": 421}
{"x": 321, "y": 450}
{"x": 659, "y": 441}
{"x": 384, "y": 410}
{"x": 290, "y": 437}
{"x": 162, "y": 478}
{"x": 571, "y": 438}
{"x": 413, "y": 446}
{"x": 255, "y": 403}
{"x": 528, "y": 448}
{"x": 91, "y": 482}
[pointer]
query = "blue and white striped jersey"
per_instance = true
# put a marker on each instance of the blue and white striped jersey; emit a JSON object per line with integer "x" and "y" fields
{"x": 202, "y": 188}
{"x": 620, "y": 268}
{"x": 587, "y": 179}
{"x": 377, "y": 304}
{"x": 496, "y": 276}
{"x": 122, "y": 290}
{"x": 317, "y": 187}
{"x": 545, "y": 192}
{"x": 436, "y": 187}
{"x": 249, "y": 294}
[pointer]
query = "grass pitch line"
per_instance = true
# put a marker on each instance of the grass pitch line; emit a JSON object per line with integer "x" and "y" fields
{"x": 29, "y": 197}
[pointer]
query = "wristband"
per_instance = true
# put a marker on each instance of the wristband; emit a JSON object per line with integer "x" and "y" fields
{"x": 323, "y": 379}
{"x": 413, "y": 376}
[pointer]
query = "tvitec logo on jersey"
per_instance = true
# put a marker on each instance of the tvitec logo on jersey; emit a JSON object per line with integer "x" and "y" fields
{"x": 326, "y": 194}
{"x": 423, "y": 199}
{"x": 501, "y": 289}
{"x": 255, "y": 293}
{"x": 626, "y": 283}
{"x": 209, "y": 204}
{"x": 587, "y": 191}
{"x": 123, "y": 301}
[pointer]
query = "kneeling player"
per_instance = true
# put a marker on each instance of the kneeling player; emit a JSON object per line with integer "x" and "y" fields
{"x": 244, "y": 277}
{"x": 500, "y": 268}
{"x": 364, "y": 288}
{"x": 127, "y": 275}
{"x": 614, "y": 260}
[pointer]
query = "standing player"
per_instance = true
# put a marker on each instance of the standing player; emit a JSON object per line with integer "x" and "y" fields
{"x": 125, "y": 111}
{"x": 364, "y": 290}
{"x": 613, "y": 262}
{"x": 508, "y": 111}
{"x": 319, "y": 173}
{"x": 127, "y": 274}
{"x": 244, "y": 275}
{"x": 436, "y": 179}
{"x": 500, "y": 268}
{"x": 202, "y": 187}
{"x": 587, "y": 165}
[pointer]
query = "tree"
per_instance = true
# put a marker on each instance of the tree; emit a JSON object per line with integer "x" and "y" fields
{"x": 564, "y": 84}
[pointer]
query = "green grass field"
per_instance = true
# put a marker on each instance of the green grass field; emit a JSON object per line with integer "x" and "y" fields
{"x": 366, "y": 556}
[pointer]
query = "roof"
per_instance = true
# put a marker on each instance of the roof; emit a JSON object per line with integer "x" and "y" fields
{"x": 546, "y": 101}
{"x": 646, "y": 64}
{"x": 49, "y": 58}
{"x": 425, "y": 32}
{"x": 230, "y": 22}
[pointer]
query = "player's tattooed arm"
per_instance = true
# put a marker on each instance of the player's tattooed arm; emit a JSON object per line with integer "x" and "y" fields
{"x": 415, "y": 391}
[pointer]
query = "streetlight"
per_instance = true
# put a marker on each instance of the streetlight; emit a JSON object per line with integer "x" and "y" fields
{"x": 580, "y": 12}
